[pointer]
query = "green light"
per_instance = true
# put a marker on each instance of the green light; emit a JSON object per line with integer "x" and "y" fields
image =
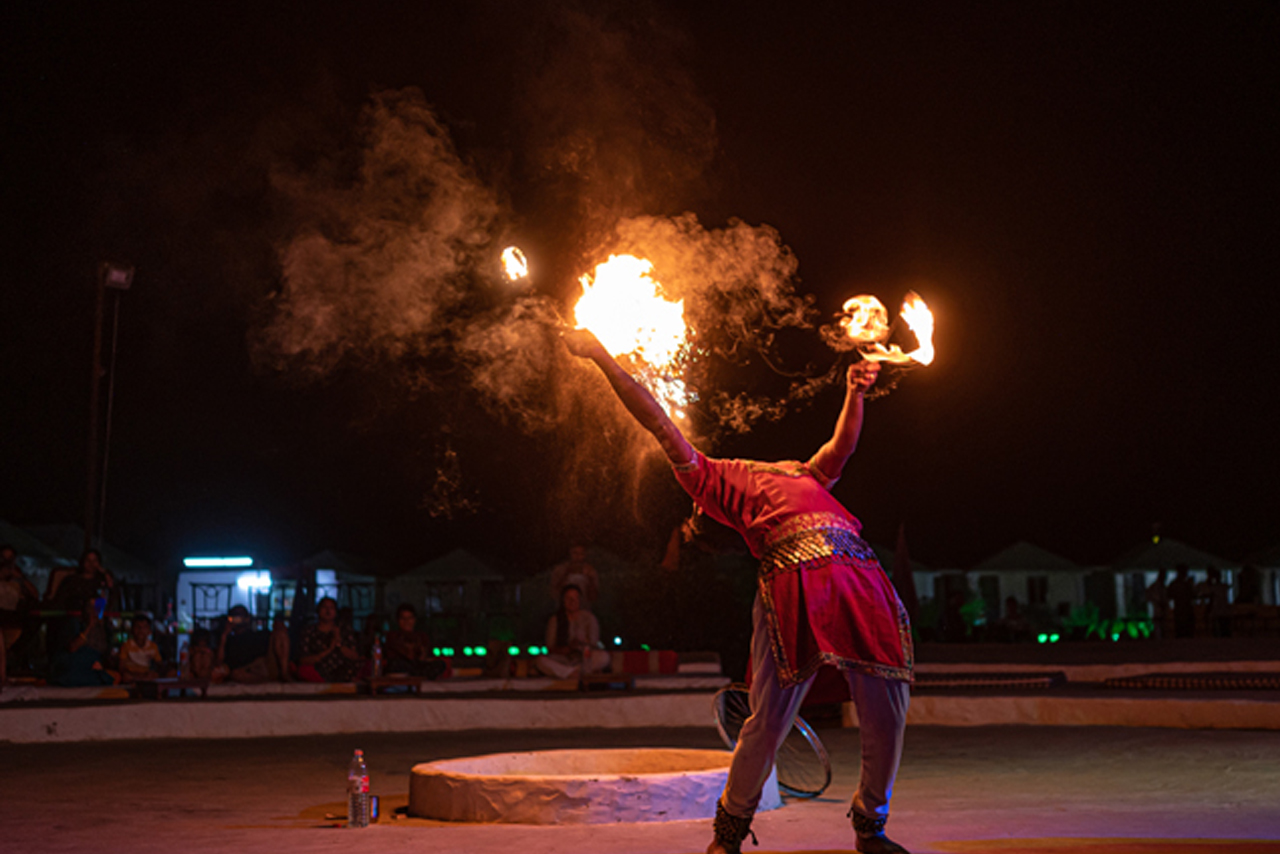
{"x": 545, "y": 651}
{"x": 513, "y": 650}
{"x": 435, "y": 651}
{"x": 1115, "y": 636}
{"x": 481, "y": 651}
{"x": 466, "y": 650}
{"x": 1042, "y": 638}
{"x": 448, "y": 652}
{"x": 1054, "y": 638}
{"x": 645, "y": 647}
{"x": 533, "y": 650}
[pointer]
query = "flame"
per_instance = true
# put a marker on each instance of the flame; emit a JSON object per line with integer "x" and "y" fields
{"x": 514, "y": 263}
{"x": 865, "y": 320}
{"x": 919, "y": 320}
{"x": 624, "y": 306}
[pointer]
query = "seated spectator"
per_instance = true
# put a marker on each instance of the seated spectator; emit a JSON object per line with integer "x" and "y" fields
{"x": 573, "y": 637}
{"x": 1014, "y": 626}
{"x": 280, "y": 659}
{"x": 81, "y": 655}
{"x": 244, "y": 653}
{"x": 140, "y": 656}
{"x": 201, "y": 659}
{"x": 329, "y": 652}
{"x": 408, "y": 650}
{"x": 577, "y": 572}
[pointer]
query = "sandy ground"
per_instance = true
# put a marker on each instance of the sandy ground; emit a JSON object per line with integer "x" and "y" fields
{"x": 960, "y": 790}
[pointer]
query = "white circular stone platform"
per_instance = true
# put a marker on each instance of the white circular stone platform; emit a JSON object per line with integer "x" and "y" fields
{"x": 576, "y": 786}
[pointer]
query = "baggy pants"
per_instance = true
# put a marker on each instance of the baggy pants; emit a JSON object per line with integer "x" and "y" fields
{"x": 882, "y": 717}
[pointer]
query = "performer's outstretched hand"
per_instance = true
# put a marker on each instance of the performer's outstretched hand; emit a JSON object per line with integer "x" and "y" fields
{"x": 862, "y": 375}
{"x": 635, "y": 397}
{"x": 584, "y": 344}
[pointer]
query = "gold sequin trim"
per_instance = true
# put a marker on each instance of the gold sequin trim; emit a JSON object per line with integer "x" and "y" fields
{"x": 816, "y": 539}
{"x": 788, "y": 468}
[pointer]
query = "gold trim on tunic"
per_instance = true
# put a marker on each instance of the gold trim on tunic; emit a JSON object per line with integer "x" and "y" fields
{"x": 819, "y": 539}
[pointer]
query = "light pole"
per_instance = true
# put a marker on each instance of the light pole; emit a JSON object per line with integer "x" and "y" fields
{"x": 118, "y": 277}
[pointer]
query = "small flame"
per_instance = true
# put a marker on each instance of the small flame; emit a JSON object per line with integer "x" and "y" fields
{"x": 865, "y": 320}
{"x": 514, "y": 264}
{"x": 920, "y": 321}
{"x": 624, "y": 306}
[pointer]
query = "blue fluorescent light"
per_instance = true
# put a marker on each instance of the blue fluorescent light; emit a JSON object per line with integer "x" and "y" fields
{"x": 254, "y": 581}
{"x": 216, "y": 562}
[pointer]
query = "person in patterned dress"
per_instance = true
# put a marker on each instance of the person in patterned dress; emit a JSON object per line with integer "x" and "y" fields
{"x": 822, "y": 598}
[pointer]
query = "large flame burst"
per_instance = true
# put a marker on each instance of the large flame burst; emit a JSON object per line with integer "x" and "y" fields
{"x": 625, "y": 307}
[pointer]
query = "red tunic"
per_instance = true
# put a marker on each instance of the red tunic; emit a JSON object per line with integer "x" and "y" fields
{"x": 827, "y": 599}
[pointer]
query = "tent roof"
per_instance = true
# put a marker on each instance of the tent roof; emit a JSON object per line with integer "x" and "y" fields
{"x": 1023, "y": 555}
{"x": 347, "y": 564}
{"x": 886, "y": 556}
{"x": 27, "y": 544}
{"x": 1267, "y": 557}
{"x": 1167, "y": 554}
{"x": 457, "y": 565}
{"x": 67, "y": 540}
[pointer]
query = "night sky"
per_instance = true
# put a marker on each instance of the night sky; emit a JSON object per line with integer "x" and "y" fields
{"x": 1085, "y": 193}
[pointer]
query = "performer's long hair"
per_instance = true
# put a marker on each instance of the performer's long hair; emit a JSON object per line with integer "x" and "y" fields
{"x": 562, "y": 616}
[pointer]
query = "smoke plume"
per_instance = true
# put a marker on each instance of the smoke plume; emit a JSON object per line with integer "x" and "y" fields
{"x": 383, "y": 256}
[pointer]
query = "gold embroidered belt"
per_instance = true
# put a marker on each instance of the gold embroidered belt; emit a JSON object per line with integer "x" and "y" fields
{"x": 812, "y": 537}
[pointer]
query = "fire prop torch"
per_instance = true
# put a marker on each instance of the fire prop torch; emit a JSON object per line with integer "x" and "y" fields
{"x": 514, "y": 264}
{"x": 864, "y": 327}
{"x": 626, "y": 308}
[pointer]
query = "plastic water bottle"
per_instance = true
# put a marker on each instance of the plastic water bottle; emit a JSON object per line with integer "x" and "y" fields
{"x": 357, "y": 792}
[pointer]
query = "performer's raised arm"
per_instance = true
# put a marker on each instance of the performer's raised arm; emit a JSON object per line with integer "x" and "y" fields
{"x": 832, "y": 456}
{"x": 634, "y": 397}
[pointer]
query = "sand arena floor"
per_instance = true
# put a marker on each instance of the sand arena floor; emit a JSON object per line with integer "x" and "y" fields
{"x": 1037, "y": 790}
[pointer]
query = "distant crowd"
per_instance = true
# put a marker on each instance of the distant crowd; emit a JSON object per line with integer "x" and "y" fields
{"x": 88, "y": 641}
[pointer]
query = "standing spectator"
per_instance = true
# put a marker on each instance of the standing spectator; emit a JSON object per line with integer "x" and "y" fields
{"x": 67, "y": 589}
{"x": 1215, "y": 594}
{"x": 1182, "y": 593}
{"x": 328, "y": 651}
{"x": 408, "y": 650}
{"x": 573, "y": 637}
{"x": 579, "y": 573}
{"x": 1250, "y": 586}
{"x": 1158, "y": 595}
{"x": 140, "y": 656}
{"x": 17, "y": 595}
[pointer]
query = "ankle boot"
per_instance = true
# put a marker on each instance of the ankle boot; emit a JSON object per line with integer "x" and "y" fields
{"x": 730, "y": 830}
{"x": 869, "y": 835}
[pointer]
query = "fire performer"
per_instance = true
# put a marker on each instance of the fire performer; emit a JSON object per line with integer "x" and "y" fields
{"x": 822, "y": 599}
